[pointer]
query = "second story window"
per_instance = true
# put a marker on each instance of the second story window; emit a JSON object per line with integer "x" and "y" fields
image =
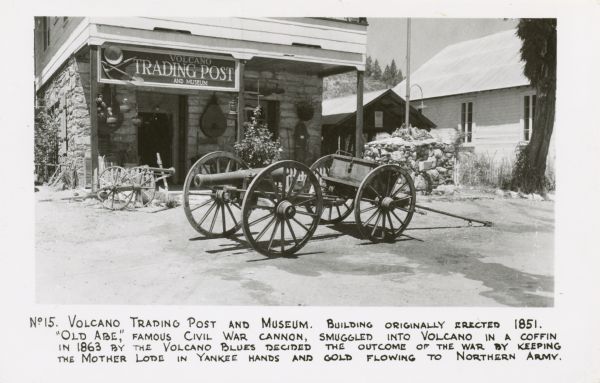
{"x": 528, "y": 116}
{"x": 46, "y": 31}
{"x": 466, "y": 121}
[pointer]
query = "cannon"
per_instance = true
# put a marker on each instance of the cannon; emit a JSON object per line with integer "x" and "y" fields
{"x": 280, "y": 206}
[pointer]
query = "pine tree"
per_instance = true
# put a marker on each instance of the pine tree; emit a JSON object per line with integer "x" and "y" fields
{"x": 386, "y": 76}
{"x": 393, "y": 74}
{"x": 376, "y": 70}
{"x": 369, "y": 67}
{"x": 399, "y": 77}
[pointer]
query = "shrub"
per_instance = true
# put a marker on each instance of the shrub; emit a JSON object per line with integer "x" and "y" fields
{"x": 527, "y": 179}
{"x": 258, "y": 149}
{"x": 483, "y": 171}
{"x": 45, "y": 143}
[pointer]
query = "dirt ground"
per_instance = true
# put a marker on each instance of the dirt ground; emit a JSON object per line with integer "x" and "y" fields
{"x": 88, "y": 255}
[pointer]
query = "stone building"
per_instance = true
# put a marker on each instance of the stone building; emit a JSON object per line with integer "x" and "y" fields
{"x": 126, "y": 88}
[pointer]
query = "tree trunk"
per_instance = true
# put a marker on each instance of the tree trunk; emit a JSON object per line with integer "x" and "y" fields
{"x": 542, "y": 129}
{"x": 530, "y": 170}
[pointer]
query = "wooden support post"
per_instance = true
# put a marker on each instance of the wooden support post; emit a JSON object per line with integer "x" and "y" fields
{"x": 94, "y": 114}
{"x": 241, "y": 103}
{"x": 407, "y": 100}
{"x": 358, "y": 149}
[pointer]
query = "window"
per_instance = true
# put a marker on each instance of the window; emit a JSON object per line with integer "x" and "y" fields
{"x": 46, "y": 31}
{"x": 466, "y": 121}
{"x": 270, "y": 114}
{"x": 528, "y": 117}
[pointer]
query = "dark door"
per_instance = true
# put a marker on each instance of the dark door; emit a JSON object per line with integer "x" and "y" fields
{"x": 155, "y": 136}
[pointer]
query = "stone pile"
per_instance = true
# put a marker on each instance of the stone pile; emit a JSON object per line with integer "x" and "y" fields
{"x": 430, "y": 161}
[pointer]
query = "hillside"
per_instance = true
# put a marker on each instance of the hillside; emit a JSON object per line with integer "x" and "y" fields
{"x": 345, "y": 84}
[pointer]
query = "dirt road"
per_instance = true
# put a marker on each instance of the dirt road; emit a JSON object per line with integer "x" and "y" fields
{"x": 88, "y": 255}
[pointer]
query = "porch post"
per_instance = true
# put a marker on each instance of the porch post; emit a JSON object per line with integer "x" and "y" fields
{"x": 358, "y": 146}
{"x": 94, "y": 114}
{"x": 241, "y": 104}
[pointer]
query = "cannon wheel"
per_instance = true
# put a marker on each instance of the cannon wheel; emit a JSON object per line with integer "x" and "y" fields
{"x": 145, "y": 186}
{"x": 385, "y": 203}
{"x": 115, "y": 188}
{"x": 206, "y": 209}
{"x": 276, "y": 216}
{"x": 332, "y": 212}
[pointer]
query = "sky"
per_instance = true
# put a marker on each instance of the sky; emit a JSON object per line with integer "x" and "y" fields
{"x": 386, "y": 38}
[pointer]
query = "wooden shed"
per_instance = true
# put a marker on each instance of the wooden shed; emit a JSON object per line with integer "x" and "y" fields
{"x": 383, "y": 113}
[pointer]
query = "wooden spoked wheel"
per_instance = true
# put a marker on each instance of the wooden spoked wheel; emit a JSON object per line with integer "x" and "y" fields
{"x": 282, "y": 208}
{"x": 116, "y": 189}
{"x": 145, "y": 186}
{"x": 213, "y": 211}
{"x": 385, "y": 203}
{"x": 337, "y": 208}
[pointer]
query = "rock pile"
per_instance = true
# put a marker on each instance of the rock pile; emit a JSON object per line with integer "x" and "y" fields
{"x": 430, "y": 161}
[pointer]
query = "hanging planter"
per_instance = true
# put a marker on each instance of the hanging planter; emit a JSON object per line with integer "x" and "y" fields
{"x": 136, "y": 121}
{"x": 111, "y": 120}
{"x": 305, "y": 110}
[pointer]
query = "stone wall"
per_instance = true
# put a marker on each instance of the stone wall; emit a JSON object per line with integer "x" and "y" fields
{"x": 68, "y": 91}
{"x": 419, "y": 153}
{"x": 296, "y": 87}
{"x": 198, "y": 143}
{"x": 67, "y": 95}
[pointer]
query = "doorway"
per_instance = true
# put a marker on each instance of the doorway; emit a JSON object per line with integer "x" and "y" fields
{"x": 155, "y": 135}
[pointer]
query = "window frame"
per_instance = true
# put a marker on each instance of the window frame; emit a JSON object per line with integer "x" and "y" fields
{"x": 46, "y": 32}
{"x": 529, "y": 101}
{"x": 466, "y": 121}
{"x": 271, "y": 109}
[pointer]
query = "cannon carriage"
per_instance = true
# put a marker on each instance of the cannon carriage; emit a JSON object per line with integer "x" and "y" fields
{"x": 279, "y": 207}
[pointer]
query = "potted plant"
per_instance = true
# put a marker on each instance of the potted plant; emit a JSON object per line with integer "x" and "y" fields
{"x": 305, "y": 110}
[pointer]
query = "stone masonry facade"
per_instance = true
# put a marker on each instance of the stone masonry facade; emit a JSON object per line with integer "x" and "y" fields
{"x": 296, "y": 86}
{"x": 69, "y": 90}
{"x": 67, "y": 94}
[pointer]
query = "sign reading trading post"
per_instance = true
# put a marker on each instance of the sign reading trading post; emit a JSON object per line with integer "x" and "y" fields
{"x": 146, "y": 67}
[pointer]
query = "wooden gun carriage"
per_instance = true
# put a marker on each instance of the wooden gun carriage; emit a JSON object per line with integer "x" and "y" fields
{"x": 120, "y": 187}
{"x": 279, "y": 206}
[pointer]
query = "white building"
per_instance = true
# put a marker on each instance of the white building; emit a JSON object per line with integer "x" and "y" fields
{"x": 478, "y": 88}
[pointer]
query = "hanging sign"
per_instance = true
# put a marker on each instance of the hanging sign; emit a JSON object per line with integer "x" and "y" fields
{"x": 170, "y": 69}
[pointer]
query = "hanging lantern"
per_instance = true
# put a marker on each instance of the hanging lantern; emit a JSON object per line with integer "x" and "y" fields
{"x": 125, "y": 107}
{"x": 136, "y": 120}
{"x": 111, "y": 120}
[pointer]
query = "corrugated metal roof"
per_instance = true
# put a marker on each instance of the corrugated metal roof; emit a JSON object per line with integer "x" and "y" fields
{"x": 490, "y": 62}
{"x": 347, "y": 104}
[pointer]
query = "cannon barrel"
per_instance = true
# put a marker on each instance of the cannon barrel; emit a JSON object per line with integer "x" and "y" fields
{"x": 220, "y": 179}
{"x": 235, "y": 178}
{"x": 169, "y": 171}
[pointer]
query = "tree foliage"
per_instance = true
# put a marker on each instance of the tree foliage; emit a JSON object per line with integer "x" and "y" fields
{"x": 538, "y": 52}
{"x": 376, "y": 71}
{"x": 369, "y": 67}
{"x": 374, "y": 79}
{"x": 46, "y": 141}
